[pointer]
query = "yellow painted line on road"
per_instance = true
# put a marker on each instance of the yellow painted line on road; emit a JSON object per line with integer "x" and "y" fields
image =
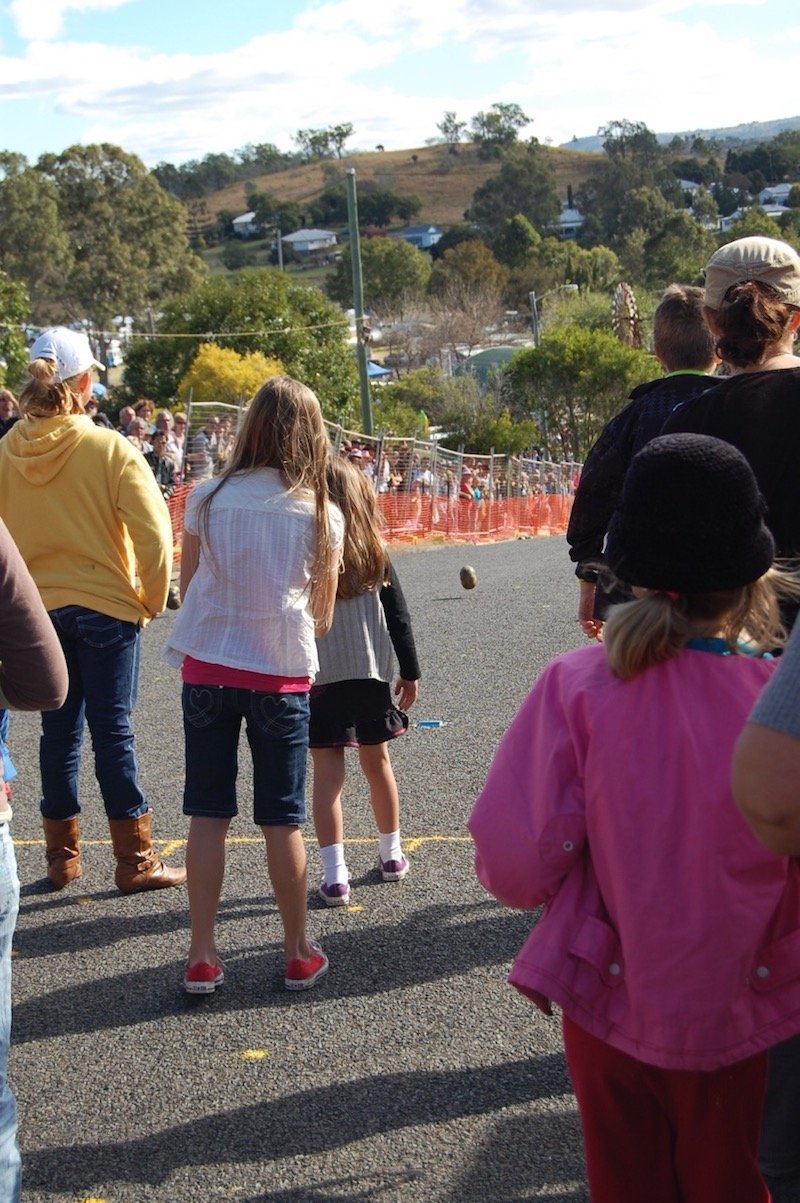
{"x": 254, "y": 1054}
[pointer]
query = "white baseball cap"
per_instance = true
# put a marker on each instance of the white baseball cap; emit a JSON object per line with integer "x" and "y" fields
{"x": 69, "y": 349}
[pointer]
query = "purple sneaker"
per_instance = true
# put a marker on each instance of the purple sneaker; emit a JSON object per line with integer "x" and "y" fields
{"x": 336, "y": 895}
{"x": 393, "y": 870}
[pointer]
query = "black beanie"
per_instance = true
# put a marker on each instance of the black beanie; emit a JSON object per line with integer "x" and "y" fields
{"x": 690, "y": 518}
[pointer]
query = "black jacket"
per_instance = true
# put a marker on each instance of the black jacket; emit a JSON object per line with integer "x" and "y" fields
{"x": 607, "y": 462}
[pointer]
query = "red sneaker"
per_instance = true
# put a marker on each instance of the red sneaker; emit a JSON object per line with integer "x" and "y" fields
{"x": 302, "y": 975}
{"x": 203, "y": 978}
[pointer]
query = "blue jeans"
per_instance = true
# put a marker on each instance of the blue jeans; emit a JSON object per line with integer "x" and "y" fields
{"x": 9, "y": 906}
{"x": 277, "y": 731}
{"x": 102, "y": 655}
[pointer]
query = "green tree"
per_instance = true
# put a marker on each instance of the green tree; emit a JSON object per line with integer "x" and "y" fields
{"x": 677, "y": 252}
{"x": 525, "y": 184}
{"x": 15, "y": 310}
{"x": 270, "y": 211}
{"x": 633, "y": 160}
{"x": 467, "y": 268}
{"x": 515, "y": 240}
{"x": 451, "y": 129}
{"x": 394, "y": 273}
{"x": 644, "y": 209}
{"x": 793, "y": 199}
{"x": 460, "y": 232}
{"x": 34, "y": 247}
{"x": 630, "y": 140}
{"x": 704, "y": 208}
{"x": 497, "y": 129}
{"x": 330, "y": 207}
{"x": 572, "y": 384}
{"x": 259, "y": 309}
{"x": 339, "y": 134}
{"x": 237, "y": 254}
{"x": 127, "y": 235}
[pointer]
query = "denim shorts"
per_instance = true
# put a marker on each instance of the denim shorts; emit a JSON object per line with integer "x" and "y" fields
{"x": 277, "y": 731}
{"x": 353, "y": 714}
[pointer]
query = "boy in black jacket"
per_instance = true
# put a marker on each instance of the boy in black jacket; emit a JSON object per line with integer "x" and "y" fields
{"x": 684, "y": 345}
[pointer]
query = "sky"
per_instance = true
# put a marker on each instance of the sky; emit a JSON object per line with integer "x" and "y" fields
{"x": 173, "y": 80}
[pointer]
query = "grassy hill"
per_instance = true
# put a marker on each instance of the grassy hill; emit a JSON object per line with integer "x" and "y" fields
{"x": 444, "y": 183}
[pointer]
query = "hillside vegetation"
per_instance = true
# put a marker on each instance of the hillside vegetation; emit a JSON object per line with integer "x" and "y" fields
{"x": 445, "y": 183}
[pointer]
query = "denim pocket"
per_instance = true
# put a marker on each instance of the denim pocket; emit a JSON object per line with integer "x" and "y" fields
{"x": 101, "y": 630}
{"x": 280, "y": 714}
{"x": 202, "y": 704}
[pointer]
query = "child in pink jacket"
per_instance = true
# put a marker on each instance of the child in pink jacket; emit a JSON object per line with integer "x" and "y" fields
{"x": 670, "y": 937}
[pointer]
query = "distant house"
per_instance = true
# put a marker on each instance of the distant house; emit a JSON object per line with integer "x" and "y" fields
{"x": 773, "y": 211}
{"x": 775, "y": 194}
{"x": 306, "y": 241}
{"x": 422, "y": 237}
{"x": 569, "y": 221}
{"x": 245, "y": 225}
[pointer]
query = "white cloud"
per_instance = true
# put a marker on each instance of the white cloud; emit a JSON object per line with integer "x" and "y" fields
{"x": 569, "y": 65}
{"x": 43, "y": 20}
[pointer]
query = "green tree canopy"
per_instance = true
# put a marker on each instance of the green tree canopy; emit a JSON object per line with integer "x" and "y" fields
{"x": 14, "y": 310}
{"x": 394, "y": 272}
{"x": 515, "y": 240}
{"x": 525, "y": 184}
{"x": 468, "y": 267}
{"x": 127, "y": 235}
{"x": 451, "y": 129}
{"x": 34, "y": 247}
{"x": 572, "y": 384}
{"x": 259, "y": 309}
{"x": 498, "y": 128}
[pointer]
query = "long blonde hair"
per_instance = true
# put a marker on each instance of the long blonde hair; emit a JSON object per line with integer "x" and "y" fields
{"x": 43, "y": 396}
{"x": 365, "y": 563}
{"x": 655, "y": 627}
{"x": 283, "y": 429}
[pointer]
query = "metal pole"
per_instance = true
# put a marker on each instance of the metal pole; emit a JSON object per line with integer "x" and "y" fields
{"x": 362, "y": 330}
{"x": 279, "y": 245}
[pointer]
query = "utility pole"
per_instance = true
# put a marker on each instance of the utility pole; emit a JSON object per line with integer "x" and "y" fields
{"x": 362, "y": 329}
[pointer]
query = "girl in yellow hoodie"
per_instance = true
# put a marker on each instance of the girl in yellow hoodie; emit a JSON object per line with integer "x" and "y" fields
{"x": 85, "y": 511}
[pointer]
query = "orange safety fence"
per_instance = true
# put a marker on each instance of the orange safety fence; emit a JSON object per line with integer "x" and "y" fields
{"x": 409, "y": 517}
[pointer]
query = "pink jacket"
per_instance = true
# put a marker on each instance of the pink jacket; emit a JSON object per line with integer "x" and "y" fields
{"x": 668, "y": 931}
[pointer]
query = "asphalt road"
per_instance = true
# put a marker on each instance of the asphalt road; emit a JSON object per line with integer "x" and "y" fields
{"x": 412, "y": 1072}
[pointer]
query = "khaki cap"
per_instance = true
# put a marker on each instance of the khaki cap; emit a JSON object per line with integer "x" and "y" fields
{"x": 765, "y": 259}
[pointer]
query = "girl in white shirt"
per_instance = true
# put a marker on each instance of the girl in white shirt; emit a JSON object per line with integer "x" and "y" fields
{"x": 259, "y": 568}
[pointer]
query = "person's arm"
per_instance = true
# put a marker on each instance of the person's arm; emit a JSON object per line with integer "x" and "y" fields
{"x": 529, "y": 822}
{"x": 190, "y": 558}
{"x": 324, "y": 599}
{"x": 398, "y": 621}
{"x": 33, "y": 672}
{"x": 766, "y": 762}
{"x": 143, "y": 510}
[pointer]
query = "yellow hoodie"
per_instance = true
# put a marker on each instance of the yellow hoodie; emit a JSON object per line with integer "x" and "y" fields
{"x": 84, "y": 508}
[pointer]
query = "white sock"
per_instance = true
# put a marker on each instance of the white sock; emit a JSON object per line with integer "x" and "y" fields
{"x": 389, "y": 846}
{"x": 334, "y": 869}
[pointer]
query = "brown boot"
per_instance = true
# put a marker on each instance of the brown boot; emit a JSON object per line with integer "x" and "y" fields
{"x": 62, "y": 837}
{"x": 138, "y": 867}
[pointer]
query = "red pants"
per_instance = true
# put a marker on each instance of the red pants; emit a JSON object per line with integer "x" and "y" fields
{"x": 666, "y": 1135}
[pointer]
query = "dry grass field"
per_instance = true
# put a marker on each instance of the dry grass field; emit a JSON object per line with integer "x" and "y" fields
{"x": 444, "y": 183}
